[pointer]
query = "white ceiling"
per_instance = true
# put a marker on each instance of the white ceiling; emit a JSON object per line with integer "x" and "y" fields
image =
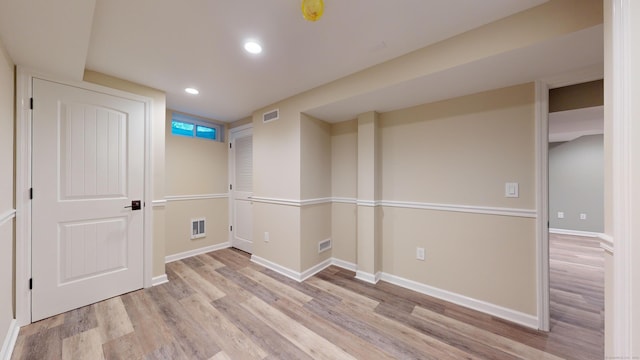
{"x": 170, "y": 45}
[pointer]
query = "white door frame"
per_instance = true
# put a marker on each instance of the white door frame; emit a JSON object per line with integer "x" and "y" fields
{"x": 231, "y": 170}
{"x": 24, "y": 93}
{"x": 542, "y": 87}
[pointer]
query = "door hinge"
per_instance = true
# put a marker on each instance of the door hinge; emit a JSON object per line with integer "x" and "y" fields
{"x": 230, "y": 187}
{"x": 31, "y": 284}
{"x": 229, "y": 145}
{"x": 230, "y": 227}
{"x": 31, "y": 103}
{"x": 30, "y": 193}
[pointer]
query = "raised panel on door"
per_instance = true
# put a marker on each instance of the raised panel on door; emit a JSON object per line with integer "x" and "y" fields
{"x": 88, "y": 161}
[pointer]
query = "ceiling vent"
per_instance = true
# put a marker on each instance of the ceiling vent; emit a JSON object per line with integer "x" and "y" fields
{"x": 271, "y": 115}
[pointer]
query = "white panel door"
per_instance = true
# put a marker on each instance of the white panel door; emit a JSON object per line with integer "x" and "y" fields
{"x": 242, "y": 190}
{"x": 88, "y": 166}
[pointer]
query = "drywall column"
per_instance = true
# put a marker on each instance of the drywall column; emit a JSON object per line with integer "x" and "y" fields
{"x": 368, "y": 237}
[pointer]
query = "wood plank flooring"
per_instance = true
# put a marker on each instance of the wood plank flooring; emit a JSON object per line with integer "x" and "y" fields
{"x": 221, "y": 306}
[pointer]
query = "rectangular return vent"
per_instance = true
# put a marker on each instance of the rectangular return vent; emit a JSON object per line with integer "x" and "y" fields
{"x": 271, "y": 115}
{"x": 324, "y": 245}
{"x": 197, "y": 228}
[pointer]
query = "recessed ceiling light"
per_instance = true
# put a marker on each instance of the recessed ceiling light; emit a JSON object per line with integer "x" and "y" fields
{"x": 253, "y": 47}
{"x": 192, "y": 91}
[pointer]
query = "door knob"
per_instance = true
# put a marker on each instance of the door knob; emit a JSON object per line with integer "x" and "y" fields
{"x": 135, "y": 205}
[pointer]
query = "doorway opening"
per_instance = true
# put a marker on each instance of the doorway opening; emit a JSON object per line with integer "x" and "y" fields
{"x": 576, "y": 211}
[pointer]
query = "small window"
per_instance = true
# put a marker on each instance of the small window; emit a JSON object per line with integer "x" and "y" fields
{"x": 183, "y": 125}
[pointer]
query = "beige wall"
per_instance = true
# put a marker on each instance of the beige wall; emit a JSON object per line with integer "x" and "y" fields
{"x": 344, "y": 173}
{"x": 157, "y": 153}
{"x": 315, "y": 226}
{"x": 283, "y": 224}
{"x": 462, "y": 151}
{"x": 195, "y": 167}
{"x": 315, "y": 183}
{"x": 7, "y": 204}
{"x": 315, "y": 158}
{"x": 276, "y": 175}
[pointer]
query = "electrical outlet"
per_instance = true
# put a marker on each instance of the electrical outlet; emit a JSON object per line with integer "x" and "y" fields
{"x": 420, "y": 253}
{"x": 560, "y": 215}
{"x": 583, "y": 216}
{"x": 266, "y": 236}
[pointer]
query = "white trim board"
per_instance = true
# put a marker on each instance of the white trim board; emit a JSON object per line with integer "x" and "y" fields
{"x": 159, "y": 280}
{"x": 7, "y": 215}
{"x": 159, "y": 203}
{"x": 302, "y": 276}
{"x": 10, "y": 340}
{"x": 194, "y": 252}
{"x": 574, "y": 232}
{"x": 479, "y": 305}
{"x": 606, "y": 243}
{"x": 471, "y": 209}
{"x": 368, "y": 277}
{"x": 171, "y": 198}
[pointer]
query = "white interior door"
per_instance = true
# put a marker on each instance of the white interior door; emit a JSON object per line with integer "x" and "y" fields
{"x": 242, "y": 189}
{"x": 88, "y": 166}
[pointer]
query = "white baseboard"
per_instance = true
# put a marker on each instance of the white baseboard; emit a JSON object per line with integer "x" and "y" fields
{"x": 344, "y": 264}
{"x": 574, "y": 232}
{"x": 368, "y": 277}
{"x": 159, "y": 280}
{"x": 292, "y": 274}
{"x": 10, "y": 340}
{"x": 479, "y": 305}
{"x": 190, "y": 253}
{"x": 315, "y": 269}
{"x": 302, "y": 276}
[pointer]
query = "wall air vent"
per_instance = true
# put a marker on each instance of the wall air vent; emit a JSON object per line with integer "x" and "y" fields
{"x": 197, "y": 228}
{"x": 324, "y": 245}
{"x": 271, "y": 115}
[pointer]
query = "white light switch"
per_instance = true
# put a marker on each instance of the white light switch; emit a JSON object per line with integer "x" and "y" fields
{"x": 583, "y": 216}
{"x": 511, "y": 190}
{"x": 560, "y": 215}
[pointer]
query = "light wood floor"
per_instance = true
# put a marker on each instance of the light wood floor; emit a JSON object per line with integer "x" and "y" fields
{"x": 220, "y": 306}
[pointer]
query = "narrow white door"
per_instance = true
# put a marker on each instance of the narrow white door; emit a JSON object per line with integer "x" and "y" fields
{"x": 242, "y": 189}
{"x": 88, "y": 171}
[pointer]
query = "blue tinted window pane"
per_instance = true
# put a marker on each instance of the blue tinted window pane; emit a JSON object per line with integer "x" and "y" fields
{"x": 181, "y": 128}
{"x": 205, "y": 132}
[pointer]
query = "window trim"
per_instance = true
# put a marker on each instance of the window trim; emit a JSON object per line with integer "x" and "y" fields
{"x": 184, "y": 118}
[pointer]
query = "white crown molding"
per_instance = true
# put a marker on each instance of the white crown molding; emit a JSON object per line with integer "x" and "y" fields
{"x": 574, "y": 232}
{"x": 170, "y": 198}
{"x": 479, "y": 305}
{"x": 190, "y": 253}
{"x": 10, "y": 340}
{"x": 7, "y": 215}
